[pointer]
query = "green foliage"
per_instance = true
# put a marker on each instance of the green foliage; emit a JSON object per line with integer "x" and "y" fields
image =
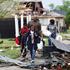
{"x": 7, "y": 7}
{"x": 67, "y": 19}
{"x": 1, "y": 1}
{"x": 66, "y": 8}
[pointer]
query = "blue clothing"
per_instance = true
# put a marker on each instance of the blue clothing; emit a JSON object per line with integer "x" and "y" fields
{"x": 32, "y": 46}
{"x": 29, "y": 40}
{"x": 32, "y": 52}
{"x": 53, "y": 30}
{"x": 53, "y": 35}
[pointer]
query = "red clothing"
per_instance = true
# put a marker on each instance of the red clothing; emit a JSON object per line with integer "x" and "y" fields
{"x": 24, "y": 30}
{"x": 17, "y": 40}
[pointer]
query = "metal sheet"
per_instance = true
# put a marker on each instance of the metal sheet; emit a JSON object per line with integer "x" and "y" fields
{"x": 20, "y": 63}
{"x": 60, "y": 45}
{"x": 7, "y": 59}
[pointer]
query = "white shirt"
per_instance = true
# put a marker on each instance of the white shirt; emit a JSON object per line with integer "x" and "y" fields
{"x": 32, "y": 36}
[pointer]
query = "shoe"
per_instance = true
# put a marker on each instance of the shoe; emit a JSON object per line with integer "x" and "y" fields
{"x": 32, "y": 61}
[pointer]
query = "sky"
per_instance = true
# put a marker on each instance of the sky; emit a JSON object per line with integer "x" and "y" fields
{"x": 55, "y": 2}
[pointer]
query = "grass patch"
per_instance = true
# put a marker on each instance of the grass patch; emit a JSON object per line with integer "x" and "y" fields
{"x": 15, "y": 53}
{"x": 64, "y": 34}
{"x": 7, "y": 43}
{"x": 68, "y": 31}
{"x": 46, "y": 41}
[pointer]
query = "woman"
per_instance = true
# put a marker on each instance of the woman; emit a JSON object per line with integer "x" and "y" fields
{"x": 32, "y": 39}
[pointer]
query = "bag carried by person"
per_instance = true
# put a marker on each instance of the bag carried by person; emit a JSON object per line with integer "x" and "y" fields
{"x": 40, "y": 45}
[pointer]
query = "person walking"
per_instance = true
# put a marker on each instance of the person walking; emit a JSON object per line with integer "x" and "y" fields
{"x": 32, "y": 40}
{"x": 53, "y": 29}
{"x": 23, "y": 32}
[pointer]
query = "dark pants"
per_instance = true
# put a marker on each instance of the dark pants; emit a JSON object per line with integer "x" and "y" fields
{"x": 32, "y": 51}
{"x": 49, "y": 42}
{"x": 23, "y": 49}
{"x": 53, "y": 35}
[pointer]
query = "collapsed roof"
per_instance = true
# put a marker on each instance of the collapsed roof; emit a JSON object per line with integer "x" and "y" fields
{"x": 8, "y": 7}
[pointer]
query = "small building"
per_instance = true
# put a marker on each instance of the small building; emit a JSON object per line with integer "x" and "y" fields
{"x": 56, "y": 17}
{"x": 24, "y": 9}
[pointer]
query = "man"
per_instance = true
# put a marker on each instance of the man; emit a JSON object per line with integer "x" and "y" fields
{"x": 53, "y": 29}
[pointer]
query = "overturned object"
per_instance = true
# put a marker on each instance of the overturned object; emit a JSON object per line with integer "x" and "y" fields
{"x": 60, "y": 45}
{"x": 9, "y": 60}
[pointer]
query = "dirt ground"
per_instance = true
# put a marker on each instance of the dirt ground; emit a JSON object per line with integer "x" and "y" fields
{"x": 18, "y": 68}
{"x": 12, "y": 68}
